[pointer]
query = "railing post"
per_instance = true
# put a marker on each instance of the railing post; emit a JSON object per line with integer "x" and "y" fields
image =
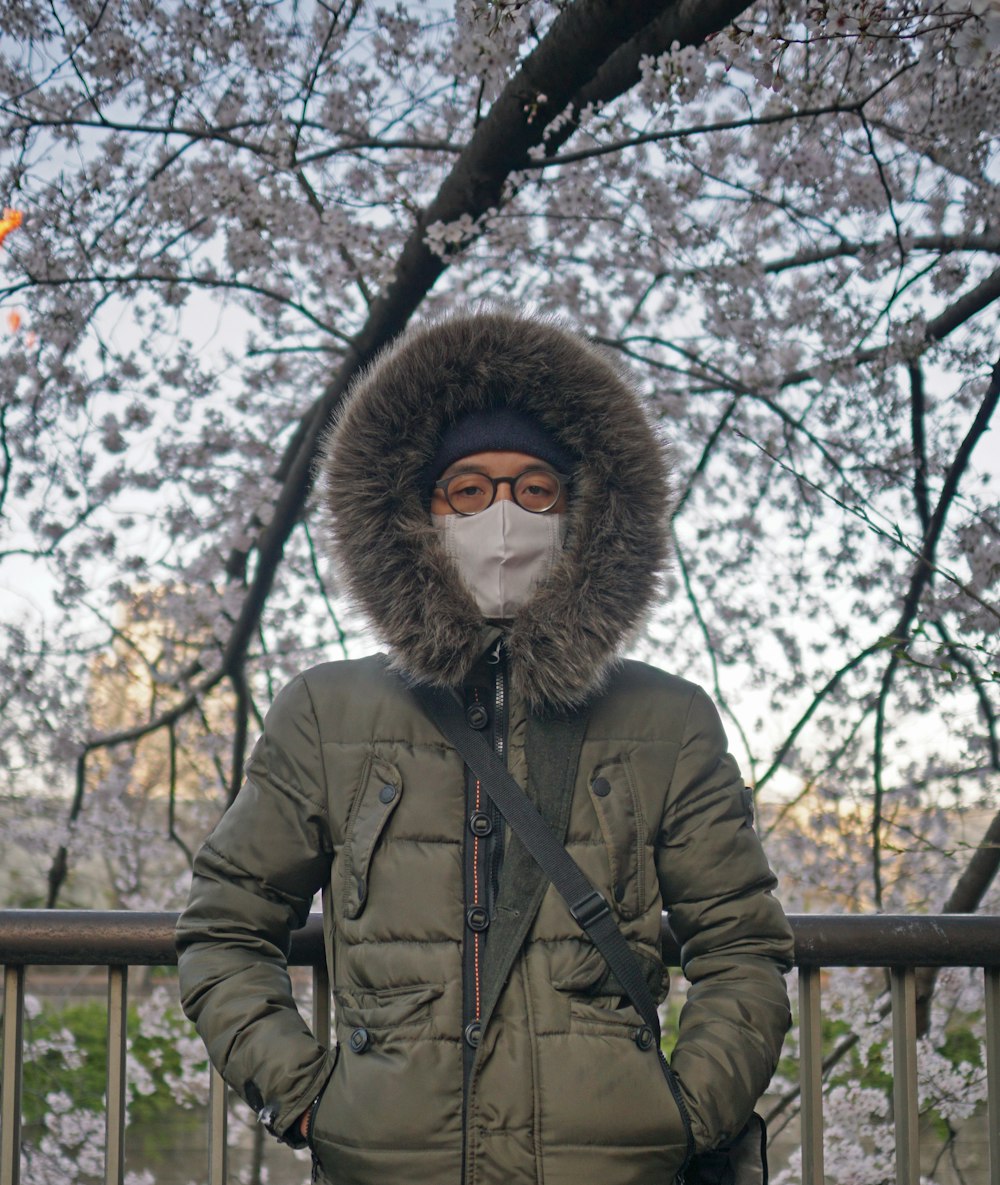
{"x": 993, "y": 1069}
{"x": 218, "y": 1128}
{"x": 904, "y": 1074}
{"x": 13, "y": 1061}
{"x": 321, "y": 1004}
{"x": 811, "y": 1075}
{"x": 114, "y": 1140}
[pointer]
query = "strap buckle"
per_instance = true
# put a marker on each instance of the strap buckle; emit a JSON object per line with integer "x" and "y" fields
{"x": 589, "y": 909}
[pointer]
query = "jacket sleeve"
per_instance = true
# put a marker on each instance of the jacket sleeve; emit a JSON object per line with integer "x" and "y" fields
{"x": 254, "y": 881}
{"x": 735, "y": 941}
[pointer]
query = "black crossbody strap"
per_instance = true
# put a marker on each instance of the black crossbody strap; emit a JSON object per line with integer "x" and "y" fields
{"x": 586, "y": 904}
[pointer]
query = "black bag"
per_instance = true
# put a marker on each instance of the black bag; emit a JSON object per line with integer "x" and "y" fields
{"x": 742, "y": 1160}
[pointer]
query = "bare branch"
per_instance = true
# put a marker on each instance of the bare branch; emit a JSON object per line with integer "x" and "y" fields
{"x": 345, "y": 255}
{"x": 179, "y": 279}
{"x": 918, "y": 411}
{"x": 824, "y": 692}
{"x": 922, "y": 574}
{"x": 706, "y": 453}
{"x": 242, "y": 711}
{"x": 380, "y": 144}
{"x": 8, "y": 460}
{"x": 965, "y": 897}
{"x": 941, "y": 244}
{"x": 713, "y": 659}
{"x": 955, "y": 654}
{"x": 965, "y": 308}
{"x": 321, "y": 585}
{"x": 724, "y": 125}
{"x": 172, "y": 801}
{"x": 973, "y": 302}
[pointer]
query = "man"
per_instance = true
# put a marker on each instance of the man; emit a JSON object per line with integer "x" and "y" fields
{"x": 498, "y": 508}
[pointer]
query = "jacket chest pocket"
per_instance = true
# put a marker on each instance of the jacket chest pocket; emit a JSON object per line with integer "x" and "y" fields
{"x": 623, "y": 827}
{"x": 373, "y": 807}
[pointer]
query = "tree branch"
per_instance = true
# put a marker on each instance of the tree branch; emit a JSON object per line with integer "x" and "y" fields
{"x": 828, "y": 687}
{"x": 238, "y": 680}
{"x": 922, "y": 574}
{"x": 943, "y": 244}
{"x": 724, "y": 125}
{"x": 710, "y": 648}
{"x": 188, "y": 281}
{"x": 172, "y": 802}
{"x": 918, "y": 412}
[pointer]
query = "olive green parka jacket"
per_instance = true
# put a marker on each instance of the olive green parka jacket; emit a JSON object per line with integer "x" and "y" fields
{"x": 480, "y": 1037}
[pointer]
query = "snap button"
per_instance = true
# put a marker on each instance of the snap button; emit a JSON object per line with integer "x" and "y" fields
{"x": 474, "y": 1034}
{"x": 360, "y": 1040}
{"x": 362, "y": 889}
{"x": 480, "y": 823}
{"x": 477, "y": 918}
{"x": 387, "y": 794}
{"x": 477, "y": 716}
{"x": 644, "y": 1037}
{"x": 601, "y": 787}
{"x": 619, "y": 891}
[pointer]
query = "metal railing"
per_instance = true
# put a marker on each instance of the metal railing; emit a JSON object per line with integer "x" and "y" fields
{"x": 120, "y": 940}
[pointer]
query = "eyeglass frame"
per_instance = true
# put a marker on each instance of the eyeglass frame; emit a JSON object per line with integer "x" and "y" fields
{"x": 563, "y": 480}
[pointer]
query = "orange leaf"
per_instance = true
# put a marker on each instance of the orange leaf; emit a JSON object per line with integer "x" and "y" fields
{"x": 11, "y": 220}
{"x": 13, "y": 321}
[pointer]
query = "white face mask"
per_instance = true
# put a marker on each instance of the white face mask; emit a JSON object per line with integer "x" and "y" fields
{"x": 502, "y": 552}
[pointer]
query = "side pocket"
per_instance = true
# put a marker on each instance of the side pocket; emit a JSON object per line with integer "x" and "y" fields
{"x": 314, "y": 1125}
{"x": 678, "y": 1097}
{"x": 376, "y": 801}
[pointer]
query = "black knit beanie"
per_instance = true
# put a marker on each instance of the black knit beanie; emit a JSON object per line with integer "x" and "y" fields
{"x": 499, "y": 429}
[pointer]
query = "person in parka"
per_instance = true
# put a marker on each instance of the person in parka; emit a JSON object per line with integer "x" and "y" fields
{"x": 498, "y": 507}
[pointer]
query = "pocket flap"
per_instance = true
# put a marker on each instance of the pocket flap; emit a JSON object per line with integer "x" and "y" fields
{"x": 619, "y": 814}
{"x": 376, "y": 802}
{"x": 385, "y": 1008}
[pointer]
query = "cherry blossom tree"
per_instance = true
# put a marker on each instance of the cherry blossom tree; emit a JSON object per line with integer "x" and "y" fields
{"x": 783, "y": 215}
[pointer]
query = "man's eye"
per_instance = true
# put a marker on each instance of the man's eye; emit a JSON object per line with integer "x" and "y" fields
{"x": 537, "y": 491}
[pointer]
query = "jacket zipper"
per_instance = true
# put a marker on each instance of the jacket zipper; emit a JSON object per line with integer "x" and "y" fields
{"x": 483, "y": 873}
{"x": 310, "y": 1123}
{"x": 472, "y": 947}
{"x": 499, "y": 718}
{"x": 495, "y": 850}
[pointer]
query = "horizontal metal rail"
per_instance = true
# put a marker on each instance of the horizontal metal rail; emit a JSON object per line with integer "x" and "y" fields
{"x": 901, "y": 943}
{"x": 81, "y": 937}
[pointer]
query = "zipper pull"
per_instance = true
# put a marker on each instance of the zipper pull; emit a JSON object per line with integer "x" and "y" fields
{"x": 494, "y": 657}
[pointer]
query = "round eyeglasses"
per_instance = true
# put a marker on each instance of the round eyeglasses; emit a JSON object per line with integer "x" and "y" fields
{"x": 534, "y": 490}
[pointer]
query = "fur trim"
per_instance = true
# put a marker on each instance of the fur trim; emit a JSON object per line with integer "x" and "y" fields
{"x": 376, "y": 489}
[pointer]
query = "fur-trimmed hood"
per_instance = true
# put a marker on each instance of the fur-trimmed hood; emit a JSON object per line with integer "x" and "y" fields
{"x": 376, "y": 490}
